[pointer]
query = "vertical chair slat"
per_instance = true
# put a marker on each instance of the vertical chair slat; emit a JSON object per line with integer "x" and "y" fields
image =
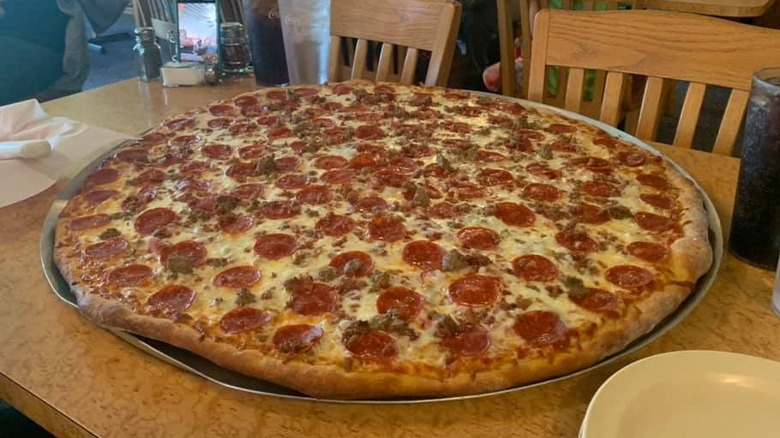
{"x": 359, "y": 61}
{"x": 410, "y": 65}
{"x": 385, "y": 62}
{"x": 613, "y": 95}
{"x": 650, "y": 110}
{"x": 334, "y": 67}
{"x": 573, "y": 100}
{"x": 689, "y": 115}
{"x": 732, "y": 119}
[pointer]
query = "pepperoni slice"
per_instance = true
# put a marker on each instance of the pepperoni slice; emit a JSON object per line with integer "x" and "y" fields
{"x": 405, "y": 302}
{"x": 133, "y": 155}
{"x": 629, "y": 276}
{"x": 386, "y": 228}
{"x": 252, "y": 151}
{"x": 180, "y": 124}
{"x": 543, "y": 171}
{"x": 337, "y": 176}
{"x": 245, "y": 101}
{"x": 149, "y": 177}
{"x": 377, "y": 346}
{"x": 276, "y": 246}
{"x": 237, "y": 277}
{"x": 540, "y": 328}
{"x": 369, "y": 132}
{"x": 633, "y": 158}
{"x": 600, "y": 189}
{"x": 219, "y": 123}
{"x": 341, "y": 89}
{"x": 493, "y": 177}
{"x": 608, "y": 142}
{"x": 541, "y": 192}
{"x": 468, "y": 191}
{"x": 558, "y": 128}
{"x": 314, "y": 194}
{"x": 241, "y": 170}
{"x": 314, "y": 299}
{"x": 353, "y": 263}
{"x": 648, "y": 251}
{"x": 654, "y": 222}
{"x": 471, "y": 342}
{"x": 193, "y": 185}
{"x": 385, "y": 178}
{"x": 424, "y": 254}
{"x": 268, "y": 120}
{"x": 87, "y": 222}
{"x": 106, "y": 249}
{"x": 280, "y": 210}
{"x": 184, "y": 140}
{"x": 371, "y": 204}
{"x": 591, "y": 214}
{"x": 335, "y": 225}
{"x": 478, "y": 238}
{"x": 102, "y": 176}
{"x": 599, "y": 301}
{"x": 248, "y": 191}
{"x": 475, "y": 290}
{"x": 195, "y": 167}
{"x": 287, "y": 164}
{"x": 577, "y": 242}
{"x": 243, "y": 319}
{"x": 152, "y": 220}
{"x": 298, "y": 338}
{"x": 489, "y": 156}
{"x": 330, "y": 162}
{"x": 660, "y": 201}
{"x": 95, "y": 197}
{"x": 131, "y": 275}
{"x": 194, "y": 252}
{"x": 281, "y": 132}
{"x": 594, "y": 164}
{"x": 172, "y": 298}
{"x": 292, "y": 181}
{"x": 152, "y": 138}
{"x": 236, "y": 224}
{"x": 402, "y": 165}
{"x": 222, "y": 110}
{"x": 654, "y": 181}
{"x": 533, "y": 267}
{"x": 443, "y": 210}
{"x": 514, "y": 214}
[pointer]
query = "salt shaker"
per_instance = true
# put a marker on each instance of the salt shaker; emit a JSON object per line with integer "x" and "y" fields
{"x": 148, "y": 56}
{"x": 233, "y": 49}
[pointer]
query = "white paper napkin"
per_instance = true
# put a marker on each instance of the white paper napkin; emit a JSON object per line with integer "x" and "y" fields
{"x": 70, "y": 140}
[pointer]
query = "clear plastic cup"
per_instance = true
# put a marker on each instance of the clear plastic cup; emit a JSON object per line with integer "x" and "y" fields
{"x": 306, "y": 32}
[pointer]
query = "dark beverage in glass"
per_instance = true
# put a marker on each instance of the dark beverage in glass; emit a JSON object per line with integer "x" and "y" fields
{"x": 265, "y": 39}
{"x": 755, "y": 227}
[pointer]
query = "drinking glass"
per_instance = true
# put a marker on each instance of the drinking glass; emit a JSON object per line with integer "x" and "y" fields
{"x": 755, "y": 227}
{"x": 306, "y": 31}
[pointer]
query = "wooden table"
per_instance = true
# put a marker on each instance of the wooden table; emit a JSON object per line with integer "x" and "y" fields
{"x": 76, "y": 379}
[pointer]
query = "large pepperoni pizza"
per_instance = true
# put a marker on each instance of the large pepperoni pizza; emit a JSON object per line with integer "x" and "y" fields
{"x": 360, "y": 240}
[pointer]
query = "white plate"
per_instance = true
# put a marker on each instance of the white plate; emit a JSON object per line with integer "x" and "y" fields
{"x": 688, "y": 394}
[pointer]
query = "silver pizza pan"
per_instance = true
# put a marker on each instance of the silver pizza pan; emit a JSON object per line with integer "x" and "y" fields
{"x": 227, "y": 378}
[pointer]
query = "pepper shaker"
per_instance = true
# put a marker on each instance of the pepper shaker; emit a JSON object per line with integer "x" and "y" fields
{"x": 148, "y": 56}
{"x": 234, "y": 49}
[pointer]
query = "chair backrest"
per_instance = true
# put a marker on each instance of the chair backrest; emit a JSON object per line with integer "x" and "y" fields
{"x": 401, "y": 29}
{"x": 659, "y": 45}
{"x": 527, "y": 10}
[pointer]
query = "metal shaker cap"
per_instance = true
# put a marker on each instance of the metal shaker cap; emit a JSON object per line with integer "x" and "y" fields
{"x": 231, "y": 30}
{"x": 144, "y": 33}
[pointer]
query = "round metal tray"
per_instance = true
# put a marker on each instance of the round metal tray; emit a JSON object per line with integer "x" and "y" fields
{"x": 224, "y": 377}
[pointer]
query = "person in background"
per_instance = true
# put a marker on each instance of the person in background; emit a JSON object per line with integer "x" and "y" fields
{"x": 46, "y": 53}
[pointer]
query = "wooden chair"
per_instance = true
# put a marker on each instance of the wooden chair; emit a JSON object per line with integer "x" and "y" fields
{"x": 401, "y": 28}
{"x": 659, "y": 45}
{"x": 526, "y": 9}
